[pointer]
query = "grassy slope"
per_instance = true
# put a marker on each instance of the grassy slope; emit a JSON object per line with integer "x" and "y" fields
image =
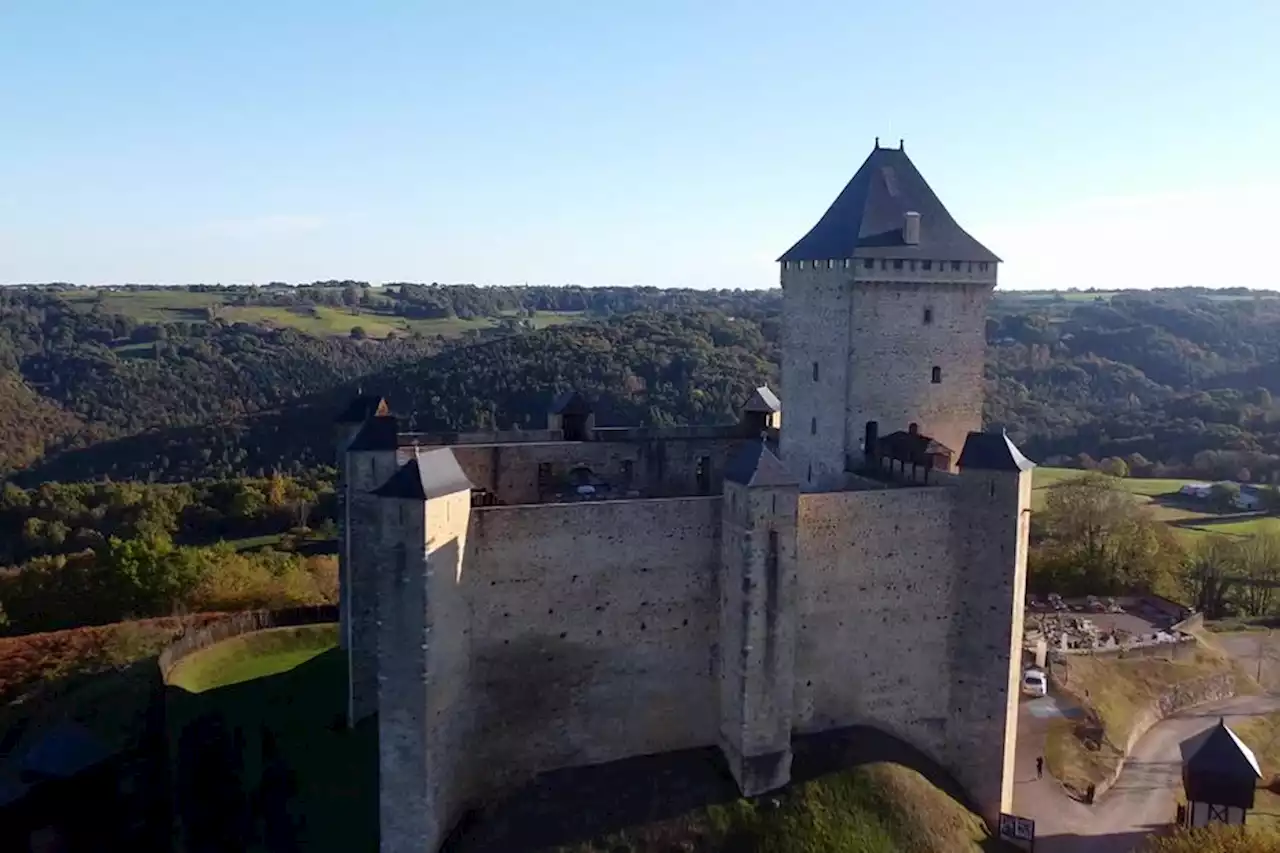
{"x": 877, "y": 808}
{"x": 1189, "y": 523}
{"x": 1117, "y": 695}
{"x": 250, "y": 656}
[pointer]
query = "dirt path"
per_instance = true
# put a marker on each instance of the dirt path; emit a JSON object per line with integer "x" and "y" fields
{"x": 1142, "y": 800}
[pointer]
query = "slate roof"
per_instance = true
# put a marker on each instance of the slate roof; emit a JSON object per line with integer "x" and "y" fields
{"x": 570, "y": 403}
{"x": 1220, "y": 753}
{"x": 908, "y": 446}
{"x": 428, "y": 474}
{"x": 754, "y": 464}
{"x": 379, "y": 433}
{"x": 866, "y": 219}
{"x": 991, "y": 451}
{"x": 762, "y": 400}
{"x": 362, "y": 407}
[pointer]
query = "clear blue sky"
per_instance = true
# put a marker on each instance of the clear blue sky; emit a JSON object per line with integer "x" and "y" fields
{"x": 657, "y": 143}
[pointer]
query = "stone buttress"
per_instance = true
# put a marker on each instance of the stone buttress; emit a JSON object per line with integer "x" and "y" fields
{"x": 757, "y": 581}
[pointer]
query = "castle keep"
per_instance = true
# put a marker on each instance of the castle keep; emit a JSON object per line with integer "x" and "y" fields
{"x": 516, "y": 602}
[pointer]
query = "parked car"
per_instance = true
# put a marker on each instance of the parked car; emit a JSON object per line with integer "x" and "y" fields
{"x": 1035, "y": 682}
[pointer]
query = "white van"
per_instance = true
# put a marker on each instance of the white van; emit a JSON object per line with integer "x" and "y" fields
{"x": 1035, "y": 682}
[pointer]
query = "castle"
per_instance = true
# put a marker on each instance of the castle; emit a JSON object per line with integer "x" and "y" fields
{"x": 516, "y": 602}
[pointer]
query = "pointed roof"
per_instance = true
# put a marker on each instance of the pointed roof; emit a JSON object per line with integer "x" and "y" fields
{"x": 1219, "y": 752}
{"x": 570, "y": 403}
{"x": 381, "y": 433}
{"x": 762, "y": 400}
{"x": 753, "y": 464}
{"x": 990, "y": 451}
{"x": 866, "y": 219}
{"x": 362, "y": 407}
{"x": 427, "y": 474}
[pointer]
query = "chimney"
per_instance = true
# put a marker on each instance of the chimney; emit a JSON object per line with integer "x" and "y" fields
{"x": 911, "y": 228}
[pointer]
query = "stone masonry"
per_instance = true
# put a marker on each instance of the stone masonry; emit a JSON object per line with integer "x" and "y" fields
{"x": 518, "y": 602}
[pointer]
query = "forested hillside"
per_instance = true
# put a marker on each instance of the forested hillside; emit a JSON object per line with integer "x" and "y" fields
{"x": 163, "y": 384}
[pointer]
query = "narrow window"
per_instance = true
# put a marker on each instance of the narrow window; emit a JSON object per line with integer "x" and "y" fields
{"x": 955, "y": 266}
{"x": 868, "y": 263}
{"x": 913, "y": 429}
{"x": 846, "y": 263}
{"x": 813, "y": 426}
{"x": 928, "y": 316}
{"x": 937, "y": 375}
{"x": 809, "y": 476}
{"x": 544, "y": 476}
{"x": 982, "y": 267}
{"x": 703, "y": 473}
{"x": 831, "y": 265}
{"x": 897, "y": 264}
{"x": 884, "y": 265}
{"x": 815, "y": 371}
{"x": 926, "y": 265}
{"x": 911, "y": 265}
{"x": 969, "y": 267}
{"x": 771, "y": 559}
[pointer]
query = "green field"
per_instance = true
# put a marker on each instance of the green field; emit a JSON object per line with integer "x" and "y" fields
{"x": 251, "y": 656}
{"x": 170, "y": 305}
{"x": 1185, "y": 516}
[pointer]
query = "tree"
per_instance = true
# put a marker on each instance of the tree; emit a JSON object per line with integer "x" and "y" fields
{"x": 1224, "y": 496}
{"x": 358, "y": 333}
{"x": 1093, "y": 537}
{"x": 1114, "y": 466}
{"x": 1208, "y": 571}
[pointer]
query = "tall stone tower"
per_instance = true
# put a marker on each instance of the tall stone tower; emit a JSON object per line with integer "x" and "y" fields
{"x": 884, "y": 323}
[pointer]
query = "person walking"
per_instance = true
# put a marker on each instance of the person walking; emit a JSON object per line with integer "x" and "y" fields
{"x": 1040, "y": 767}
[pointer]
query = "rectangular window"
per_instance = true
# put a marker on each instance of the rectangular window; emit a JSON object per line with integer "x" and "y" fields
{"x": 815, "y": 371}
{"x": 928, "y": 316}
{"x": 911, "y": 265}
{"x": 955, "y": 266}
{"x": 868, "y": 263}
{"x": 544, "y": 476}
{"x": 897, "y": 264}
{"x": 936, "y": 378}
{"x": 982, "y": 267}
{"x": 884, "y": 265}
{"x": 813, "y": 426}
{"x": 926, "y": 265}
{"x": 703, "y": 472}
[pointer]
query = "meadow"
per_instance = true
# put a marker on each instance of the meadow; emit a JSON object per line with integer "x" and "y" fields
{"x": 1190, "y": 518}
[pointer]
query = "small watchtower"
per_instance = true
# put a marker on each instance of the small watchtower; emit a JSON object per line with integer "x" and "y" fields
{"x": 571, "y": 413}
{"x": 1219, "y": 777}
{"x": 762, "y": 412}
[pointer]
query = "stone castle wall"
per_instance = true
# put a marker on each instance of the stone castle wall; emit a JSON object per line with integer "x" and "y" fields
{"x": 893, "y": 351}
{"x": 667, "y": 467}
{"x": 860, "y": 347}
{"x": 560, "y": 635}
{"x": 592, "y": 628}
{"x": 909, "y": 608}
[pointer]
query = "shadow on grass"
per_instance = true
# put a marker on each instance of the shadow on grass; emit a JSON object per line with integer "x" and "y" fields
{"x": 573, "y": 806}
{"x": 269, "y": 765}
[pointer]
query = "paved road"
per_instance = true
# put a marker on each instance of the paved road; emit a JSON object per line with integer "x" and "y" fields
{"x": 1142, "y": 800}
